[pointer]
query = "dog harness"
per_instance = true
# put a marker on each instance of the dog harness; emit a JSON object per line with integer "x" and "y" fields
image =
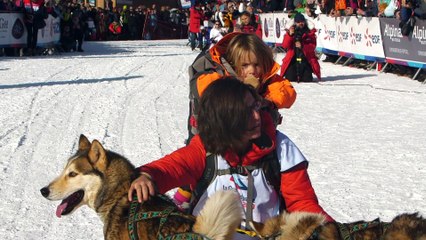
{"x": 135, "y": 215}
{"x": 347, "y": 230}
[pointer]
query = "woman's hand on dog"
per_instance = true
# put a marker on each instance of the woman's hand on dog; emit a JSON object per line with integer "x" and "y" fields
{"x": 144, "y": 187}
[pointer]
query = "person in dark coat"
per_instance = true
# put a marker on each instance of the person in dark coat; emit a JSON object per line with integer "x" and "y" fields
{"x": 35, "y": 14}
{"x": 78, "y": 19}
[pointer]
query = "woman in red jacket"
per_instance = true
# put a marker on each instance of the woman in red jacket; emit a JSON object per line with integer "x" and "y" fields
{"x": 300, "y": 60}
{"x": 234, "y": 128}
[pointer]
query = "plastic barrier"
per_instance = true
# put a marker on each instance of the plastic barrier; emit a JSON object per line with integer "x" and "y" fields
{"x": 372, "y": 39}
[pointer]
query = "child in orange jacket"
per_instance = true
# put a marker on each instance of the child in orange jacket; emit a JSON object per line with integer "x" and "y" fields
{"x": 248, "y": 58}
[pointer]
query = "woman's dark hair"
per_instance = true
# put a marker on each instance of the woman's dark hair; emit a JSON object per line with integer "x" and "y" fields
{"x": 224, "y": 116}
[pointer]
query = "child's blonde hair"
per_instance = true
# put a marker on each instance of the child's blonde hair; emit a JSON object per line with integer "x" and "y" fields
{"x": 242, "y": 45}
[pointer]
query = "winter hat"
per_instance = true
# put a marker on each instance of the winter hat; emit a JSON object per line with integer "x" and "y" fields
{"x": 182, "y": 199}
{"x": 299, "y": 17}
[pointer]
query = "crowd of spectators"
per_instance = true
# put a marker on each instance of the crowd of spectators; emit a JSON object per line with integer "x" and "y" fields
{"x": 160, "y": 22}
{"x": 224, "y": 16}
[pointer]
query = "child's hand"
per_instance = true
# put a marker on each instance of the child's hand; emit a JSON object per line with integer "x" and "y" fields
{"x": 252, "y": 80}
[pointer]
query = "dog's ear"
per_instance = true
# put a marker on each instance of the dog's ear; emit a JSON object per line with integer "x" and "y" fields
{"x": 83, "y": 143}
{"x": 97, "y": 155}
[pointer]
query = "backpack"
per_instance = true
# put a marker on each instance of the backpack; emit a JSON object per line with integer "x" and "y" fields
{"x": 202, "y": 64}
{"x": 269, "y": 164}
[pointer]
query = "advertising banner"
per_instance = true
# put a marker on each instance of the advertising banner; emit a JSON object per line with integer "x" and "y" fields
{"x": 410, "y": 48}
{"x": 326, "y": 33}
{"x": 268, "y": 27}
{"x": 51, "y": 33}
{"x": 282, "y": 24}
{"x": 124, "y": 2}
{"x": 185, "y": 3}
{"x": 360, "y": 37}
{"x": 12, "y": 30}
{"x": 276, "y": 25}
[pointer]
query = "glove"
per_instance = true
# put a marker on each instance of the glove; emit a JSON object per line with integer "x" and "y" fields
{"x": 252, "y": 80}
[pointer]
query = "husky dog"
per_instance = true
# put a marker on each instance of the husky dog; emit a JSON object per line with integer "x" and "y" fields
{"x": 311, "y": 226}
{"x": 101, "y": 179}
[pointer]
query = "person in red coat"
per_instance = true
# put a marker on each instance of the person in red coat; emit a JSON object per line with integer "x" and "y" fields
{"x": 195, "y": 17}
{"x": 115, "y": 28}
{"x": 300, "y": 60}
{"x": 234, "y": 128}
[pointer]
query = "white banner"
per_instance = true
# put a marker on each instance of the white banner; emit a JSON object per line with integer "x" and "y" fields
{"x": 282, "y": 24}
{"x": 13, "y": 32}
{"x": 268, "y": 27}
{"x": 51, "y": 33}
{"x": 359, "y": 36}
{"x": 349, "y": 36}
{"x": 185, "y": 3}
{"x": 326, "y": 33}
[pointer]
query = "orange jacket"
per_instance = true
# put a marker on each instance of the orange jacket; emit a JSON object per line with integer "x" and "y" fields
{"x": 185, "y": 166}
{"x": 278, "y": 91}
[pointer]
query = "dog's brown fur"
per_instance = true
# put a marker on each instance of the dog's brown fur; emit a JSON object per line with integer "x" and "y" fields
{"x": 301, "y": 226}
{"x": 102, "y": 178}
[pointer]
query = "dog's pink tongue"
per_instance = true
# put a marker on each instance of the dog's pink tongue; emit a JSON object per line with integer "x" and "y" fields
{"x": 61, "y": 209}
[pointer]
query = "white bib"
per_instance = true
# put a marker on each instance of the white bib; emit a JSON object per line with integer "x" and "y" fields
{"x": 265, "y": 199}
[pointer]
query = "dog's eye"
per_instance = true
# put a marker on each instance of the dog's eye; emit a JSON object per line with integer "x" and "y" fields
{"x": 72, "y": 174}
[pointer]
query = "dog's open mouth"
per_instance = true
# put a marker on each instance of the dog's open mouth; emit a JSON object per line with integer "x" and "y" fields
{"x": 69, "y": 203}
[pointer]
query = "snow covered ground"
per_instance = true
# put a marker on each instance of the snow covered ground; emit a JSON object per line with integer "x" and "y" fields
{"x": 364, "y": 132}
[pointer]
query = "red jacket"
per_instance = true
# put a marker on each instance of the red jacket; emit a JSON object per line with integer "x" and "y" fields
{"x": 115, "y": 28}
{"x": 185, "y": 166}
{"x": 195, "y": 17}
{"x": 259, "y": 27}
{"x": 36, "y": 4}
{"x": 309, "y": 43}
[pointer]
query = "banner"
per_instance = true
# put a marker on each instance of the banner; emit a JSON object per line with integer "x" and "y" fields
{"x": 282, "y": 24}
{"x": 125, "y": 2}
{"x": 49, "y": 34}
{"x": 276, "y": 25}
{"x": 360, "y": 37}
{"x": 13, "y": 32}
{"x": 410, "y": 49}
{"x": 185, "y": 3}
{"x": 268, "y": 27}
{"x": 326, "y": 33}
